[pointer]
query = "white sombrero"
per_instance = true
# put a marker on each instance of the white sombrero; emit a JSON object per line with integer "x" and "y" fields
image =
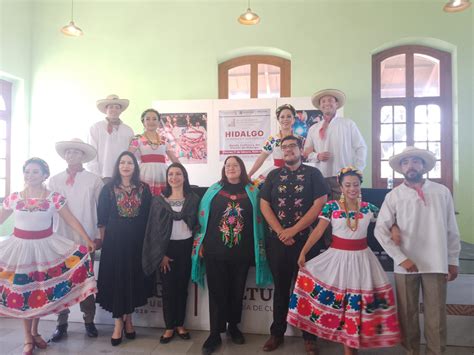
{"x": 110, "y": 100}
{"x": 410, "y": 151}
{"x": 76, "y": 143}
{"x": 338, "y": 94}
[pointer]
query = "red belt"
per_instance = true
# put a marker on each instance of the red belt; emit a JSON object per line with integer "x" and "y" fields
{"x": 348, "y": 244}
{"x": 20, "y": 233}
{"x": 153, "y": 158}
{"x": 279, "y": 163}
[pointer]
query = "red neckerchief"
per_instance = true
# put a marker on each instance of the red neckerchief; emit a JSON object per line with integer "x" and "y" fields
{"x": 419, "y": 191}
{"x": 324, "y": 127}
{"x": 111, "y": 126}
{"x": 71, "y": 174}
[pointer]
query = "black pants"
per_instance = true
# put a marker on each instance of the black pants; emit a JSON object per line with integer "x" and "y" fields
{"x": 283, "y": 261}
{"x": 226, "y": 284}
{"x": 175, "y": 282}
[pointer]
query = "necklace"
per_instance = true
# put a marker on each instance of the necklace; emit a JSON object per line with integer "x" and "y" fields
{"x": 352, "y": 223}
{"x": 153, "y": 144}
{"x": 31, "y": 203}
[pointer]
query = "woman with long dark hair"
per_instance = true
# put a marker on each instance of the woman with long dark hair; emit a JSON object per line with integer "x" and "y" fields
{"x": 122, "y": 214}
{"x": 168, "y": 244}
{"x": 229, "y": 241}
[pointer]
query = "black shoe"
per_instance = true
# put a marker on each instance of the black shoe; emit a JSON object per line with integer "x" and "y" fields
{"x": 211, "y": 344}
{"x": 91, "y": 330}
{"x": 131, "y": 335}
{"x": 116, "y": 342}
{"x": 184, "y": 336}
{"x": 166, "y": 340}
{"x": 59, "y": 333}
{"x": 235, "y": 334}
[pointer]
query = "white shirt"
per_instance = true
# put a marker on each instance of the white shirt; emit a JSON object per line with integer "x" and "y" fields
{"x": 82, "y": 198}
{"x": 108, "y": 146}
{"x": 180, "y": 230}
{"x": 343, "y": 140}
{"x": 429, "y": 233}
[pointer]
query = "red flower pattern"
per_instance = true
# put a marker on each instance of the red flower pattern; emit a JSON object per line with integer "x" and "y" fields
{"x": 305, "y": 283}
{"x": 329, "y": 320}
{"x": 38, "y": 276}
{"x": 350, "y": 326}
{"x": 304, "y": 307}
{"x": 392, "y": 323}
{"x": 79, "y": 275}
{"x": 55, "y": 271}
{"x": 15, "y": 300}
{"x": 37, "y": 299}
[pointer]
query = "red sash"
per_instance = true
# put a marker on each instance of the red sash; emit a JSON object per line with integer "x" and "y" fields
{"x": 153, "y": 158}
{"x": 20, "y": 233}
{"x": 348, "y": 244}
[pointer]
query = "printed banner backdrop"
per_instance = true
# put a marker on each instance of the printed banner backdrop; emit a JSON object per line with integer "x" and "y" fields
{"x": 187, "y": 135}
{"x": 243, "y": 132}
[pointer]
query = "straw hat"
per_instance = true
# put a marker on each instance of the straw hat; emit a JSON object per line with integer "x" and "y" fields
{"x": 76, "y": 143}
{"x": 410, "y": 151}
{"x": 110, "y": 100}
{"x": 338, "y": 94}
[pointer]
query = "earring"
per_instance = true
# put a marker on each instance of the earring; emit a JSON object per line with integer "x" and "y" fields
{"x": 360, "y": 198}
{"x": 342, "y": 198}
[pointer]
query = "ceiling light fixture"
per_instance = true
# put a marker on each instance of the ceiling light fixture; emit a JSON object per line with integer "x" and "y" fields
{"x": 248, "y": 17}
{"x": 457, "y": 5}
{"x": 71, "y": 29}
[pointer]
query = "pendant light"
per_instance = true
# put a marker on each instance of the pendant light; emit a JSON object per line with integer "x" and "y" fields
{"x": 457, "y": 5}
{"x": 248, "y": 17}
{"x": 71, "y": 29}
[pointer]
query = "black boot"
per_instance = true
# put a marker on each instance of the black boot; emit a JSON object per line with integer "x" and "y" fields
{"x": 211, "y": 344}
{"x": 91, "y": 330}
{"x": 59, "y": 333}
{"x": 235, "y": 334}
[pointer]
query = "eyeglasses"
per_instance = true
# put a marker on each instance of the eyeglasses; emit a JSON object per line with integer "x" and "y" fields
{"x": 288, "y": 146}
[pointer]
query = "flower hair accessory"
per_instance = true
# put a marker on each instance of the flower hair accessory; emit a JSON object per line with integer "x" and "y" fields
{"x": 347, "y": 170}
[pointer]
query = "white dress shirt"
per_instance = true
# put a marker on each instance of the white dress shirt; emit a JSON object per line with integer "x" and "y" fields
{"x": 108, "y": 145}
{"x": 343, "y": 140}
{"x": 82, "y": 198}
{"x": 429, "y": 232}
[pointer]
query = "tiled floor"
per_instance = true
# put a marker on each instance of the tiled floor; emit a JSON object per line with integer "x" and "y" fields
{"x": 147, "y": 342}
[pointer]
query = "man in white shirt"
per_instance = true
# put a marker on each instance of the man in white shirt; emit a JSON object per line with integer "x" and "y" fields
{"x": 81, "y": 189}
{"x": 334, "y": 142}
{"x": 428, "y": 253}
{"x": 109, "y": 137}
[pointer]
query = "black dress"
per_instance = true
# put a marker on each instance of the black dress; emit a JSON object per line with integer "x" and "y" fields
{"x": 121, "y": 283}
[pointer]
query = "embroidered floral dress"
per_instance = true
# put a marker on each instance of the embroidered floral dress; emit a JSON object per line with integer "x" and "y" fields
{"x": 41, "y": 272}
{"x": 343, "y": 294}
{"x": 122, "y": 284}
{"x": 152, "y": 160}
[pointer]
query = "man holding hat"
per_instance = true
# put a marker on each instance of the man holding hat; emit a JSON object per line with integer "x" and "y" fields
{"x": 334, "y": 142}
{"x": 109, "y": 137}
{"x": 81, "y": 189}
{"x": 428, "y": 254}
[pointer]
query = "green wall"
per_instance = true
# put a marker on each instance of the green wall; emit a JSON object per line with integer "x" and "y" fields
{"x": 149, "y": 50}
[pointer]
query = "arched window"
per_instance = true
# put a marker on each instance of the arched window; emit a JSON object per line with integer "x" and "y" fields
{"x": 255, "y": 76}
{"x": 5, "y": 136}
{"x": 411, "y": 105}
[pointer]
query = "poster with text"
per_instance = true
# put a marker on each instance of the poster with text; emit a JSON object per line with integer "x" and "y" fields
{"x": 187, "y": 135}
{"x": 243, "y": 132}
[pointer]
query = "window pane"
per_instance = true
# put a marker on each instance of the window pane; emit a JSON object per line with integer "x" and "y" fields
{"x": 426, "y": 72}
{"x": 386, "y": 114}
{"x": 435, "y": 147}
{"x": 386, "y": 132}
{"x": 436, "y": 172}
{"x": 399, "y": 147}
{"x": 434, "y": 131}
{"x": 392, "y": 75}
{"x": 400, "y": 132}
{"x": 3, "y": 169}
{"x": 421, "y": 145}
{"x": 2, "y": 187}
{"x": 239, "y": 82}
{"x": 3, "y": 148}
{"x": 268, "y": 81}
{"x": 385, "y": 170}
{"x": 400, "y": 114}
{"x": 387, "y": 150}
{"x": 427, "y": 113}
{"x": 421, "y": 131}
{"x": 3, "y": 129}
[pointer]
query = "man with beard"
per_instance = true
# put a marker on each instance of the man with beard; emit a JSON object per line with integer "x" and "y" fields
{"x": 291, "y": 199}
{"x": 428, "y": 254}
